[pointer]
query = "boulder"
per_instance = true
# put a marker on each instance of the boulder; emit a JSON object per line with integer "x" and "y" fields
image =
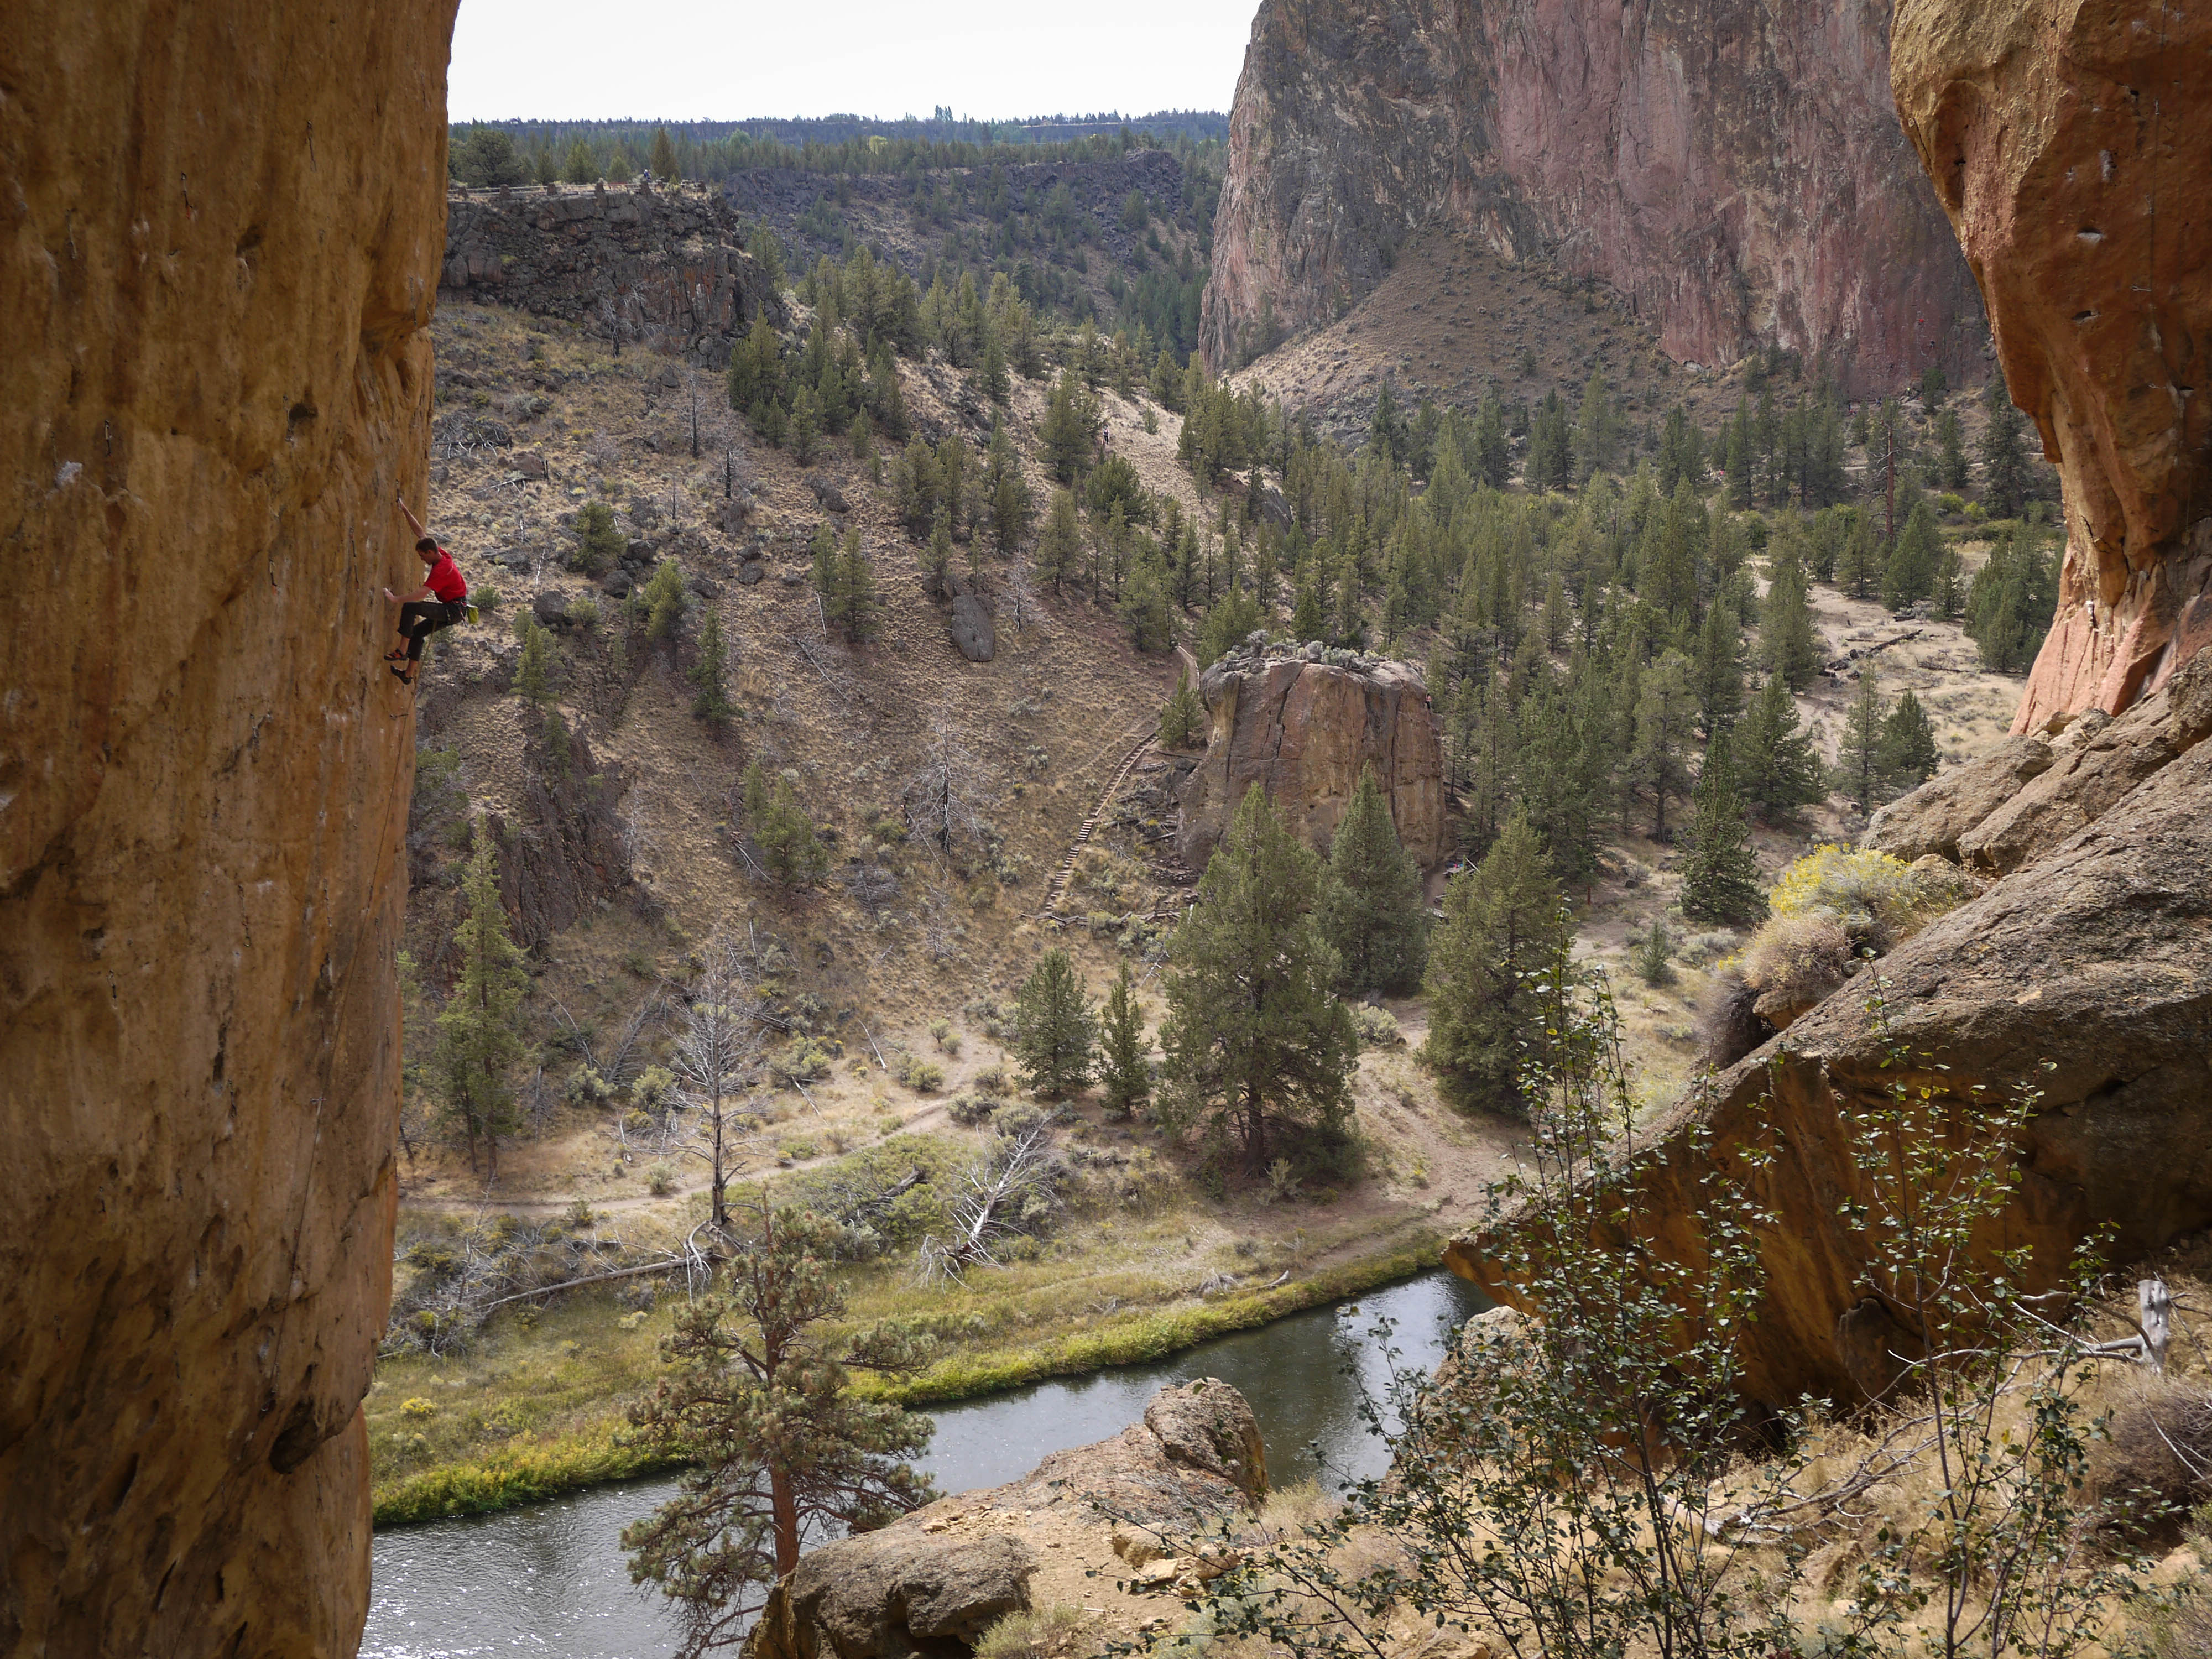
{"x": 550, "y": 608}
{"x": 616, "y": 584}
{"x": 825, "y": 491}
{"x": 528, "y": 462}
{"x": 972, "y": 630}
{"x": 893, "y": 1594}
{"x": 1303, "y": 729}
{"x": 932, "y": 1581}
{"x": 751, "y": 572}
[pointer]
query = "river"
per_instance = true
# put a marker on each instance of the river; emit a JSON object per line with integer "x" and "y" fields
{"x": 551, "y": 1579}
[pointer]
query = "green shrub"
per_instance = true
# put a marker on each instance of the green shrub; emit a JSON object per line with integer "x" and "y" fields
{"x": 1377, "y": 1027}
{"x": 805, "y": 1059}
{"x": 599, "y": 541}
{"x": 991, "y": 1080}
{"x": 1797, "y": 960}
{"x": 1055, "y": 1631}
{"x": 969, "y": 1111}
{"x": 587, "y": 1088}
{"x": 660, "y": 1180}
{"x": 922, "y": 1076}
{"x": 942, "y": 1034}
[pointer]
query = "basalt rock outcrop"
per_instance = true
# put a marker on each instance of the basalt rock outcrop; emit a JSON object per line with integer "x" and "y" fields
{"x": 1734, "y": 168}
{"x": 667, "y": 268}
{"x": 933, "y": 1582}
{"x": 2067, "y": 140}
{"x": 2090, "y": 955}
{"x": 1301, "y": 722}
{"x": 223, "y": 229}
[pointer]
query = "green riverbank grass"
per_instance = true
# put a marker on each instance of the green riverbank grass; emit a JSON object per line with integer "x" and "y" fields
{"x": 537, "y": 1407}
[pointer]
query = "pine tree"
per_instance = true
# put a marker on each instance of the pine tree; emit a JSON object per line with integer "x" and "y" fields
{"x": 1370, "y": 910}
{"x": 806, "y": 431}
{"x": 997, "y": 385}
{"x": 1908, "y": 758}
{"x": 1254, "y": 1041}
{"x": 1910, "y": 576}
{"x": 852, "y": 604}
{"x": 1054, "y": 1030}
{"x": 936, "y": 560}
{"x": 1551, "y": 458}
{"x": 1183, "y": 721}
{"x": 1950, "y": 452}
{"x": 1663, "y": 733}
{"x": 1788, "y": 644}
{"x": 1502, "y": 924}
{"x": 1070, "y": 420}
{"x": 1125, "y": 1075}
{"x": 1950, "y": 585}
{"x": 1307, "y": 620}
{"x": 1719, "y": 672}
{"x": 478, "y": 1041}
{"x": 664, "y": 157}
{"x": 1493, "y": 446}
{"x": 1059, "y": 548}
{"x": 533, "y": 681}
{"x": 581, "y": 166}
{"x": 1652, "y": 966}
{"x": 1858, "y": 758}
{"x": 1776, "y": 770}
{"x": 2004, "y": 458}
{"x": 1144, "y": 608}
{"x": 2009, "y": 605}
{"x": 713, "y": 704}
{"x": 785, "y": 834}
{"x": 776, "y": 1447}
{"x": 1720, "y": 876}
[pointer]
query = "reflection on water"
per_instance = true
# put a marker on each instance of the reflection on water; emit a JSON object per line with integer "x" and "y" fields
{"x": 551, "y": 1579}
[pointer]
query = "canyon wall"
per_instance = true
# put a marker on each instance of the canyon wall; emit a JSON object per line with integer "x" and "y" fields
{"x": 2067, "y": 140}
{"x": 1303, "y": 726}
{"x": 223, "y": 231}
{"x": 669, "y": 268}
{"x": 1734, "y": 168}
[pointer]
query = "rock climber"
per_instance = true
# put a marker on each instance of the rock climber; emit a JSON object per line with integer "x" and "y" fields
{"x": 441, "y": 602}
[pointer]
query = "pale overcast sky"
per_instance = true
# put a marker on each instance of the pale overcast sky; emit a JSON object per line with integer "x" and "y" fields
{"x": 996, "y": 59}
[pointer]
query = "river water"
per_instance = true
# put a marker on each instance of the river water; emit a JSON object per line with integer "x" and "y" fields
{"x": 551, "y": 1579}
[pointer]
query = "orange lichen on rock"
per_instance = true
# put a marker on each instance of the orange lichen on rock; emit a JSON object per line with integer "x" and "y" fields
{"x": 2068, "y": 140}
{"x": 223, "y": 232}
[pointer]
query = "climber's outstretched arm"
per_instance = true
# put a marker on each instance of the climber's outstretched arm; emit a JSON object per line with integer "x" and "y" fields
{"x": 411, "y": 518}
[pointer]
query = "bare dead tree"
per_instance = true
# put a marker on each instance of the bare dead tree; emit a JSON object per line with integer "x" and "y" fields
{"x": 945, "y": 797}
{"x": 718, "y": 1060}
{"x": 1011, "y": 1191}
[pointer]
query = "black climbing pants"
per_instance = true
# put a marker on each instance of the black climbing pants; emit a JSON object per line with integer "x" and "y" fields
{"x": 422, "y": 618}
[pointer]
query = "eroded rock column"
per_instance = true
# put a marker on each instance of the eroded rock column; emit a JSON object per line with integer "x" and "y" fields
{"x": 222, "y": 231}
{"x": 2069, "y": 141}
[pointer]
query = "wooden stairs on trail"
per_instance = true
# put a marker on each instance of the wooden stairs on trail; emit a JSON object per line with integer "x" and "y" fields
{"x": 1057, "y": 894}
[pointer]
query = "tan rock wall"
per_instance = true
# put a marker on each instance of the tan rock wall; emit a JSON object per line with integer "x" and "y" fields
{"x": 222, "y": 231}
{"x": 2071, "y": 142}
{"x": 1733, "y": 168}
{"x": 1302, "y": 731}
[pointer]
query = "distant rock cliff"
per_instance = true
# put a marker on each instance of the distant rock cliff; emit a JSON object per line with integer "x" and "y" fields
{"x": 1302, "y": 724}
{"x": 669, "y": 267}
{"x": 1734, "y": 167}
{"x": 223, "y": 223}
{"x": 2068, "y": 143}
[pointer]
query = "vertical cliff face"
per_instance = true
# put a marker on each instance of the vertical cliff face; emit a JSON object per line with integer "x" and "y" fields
{"x": 1734, "y": 167}
{"x": 2067, "y": 139}
{"x": 223, "y": 232}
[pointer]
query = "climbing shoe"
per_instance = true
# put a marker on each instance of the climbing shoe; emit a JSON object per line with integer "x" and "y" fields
{"x": 402, "y": 677}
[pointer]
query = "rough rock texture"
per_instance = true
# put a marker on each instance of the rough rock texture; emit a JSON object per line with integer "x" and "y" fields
{"x": 672, "y": 266}
{"x": 1933, "y": 816}
{"x": 1734, "y": 167}
{"x": 890, "y": 1594}
{"x": 222, "y": 226}
{"x": 2071, "y": 143}
{"x": 2094, "y": 954}
{"x": 940, "y": 1576}
{"x": 1303, "y": 728}
{"x": 971, "y": 628}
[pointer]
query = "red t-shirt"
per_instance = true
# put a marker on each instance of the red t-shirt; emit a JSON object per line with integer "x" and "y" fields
{"x": 445, "y": 579}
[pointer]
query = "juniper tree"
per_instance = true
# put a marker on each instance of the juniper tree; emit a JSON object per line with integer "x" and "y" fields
{"x": 756, "y": 1406}
{"x": 663, "y": 159}
{"x": 1910, "y": 575}
{"x": 2004, "y": 459}
{"x": 852, "y": 604}
{"x": 1788, "y": 644}
{"x": 1662, "y": 731}
{"x": 1124, "y": 1073}
{"x": 532, "y": 677}
{"x": 1256, "y": 1043}
{"x": 1371, "y": 908}
{"x": 1776, "y": 770}
{"x": 1720, "y": 878}
{"x": 478, "y": 1043}
{"x": 1059, "y": 547}
{"x": 1719, "y": 672}
{"x": 787, "y": 837}
{"x": 581, "y": 166}
{"x": 1502, "y": 921}
{"x": 1054, "y": 1030}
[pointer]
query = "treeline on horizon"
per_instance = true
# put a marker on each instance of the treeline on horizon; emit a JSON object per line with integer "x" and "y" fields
{"x": 842, "y": 144}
